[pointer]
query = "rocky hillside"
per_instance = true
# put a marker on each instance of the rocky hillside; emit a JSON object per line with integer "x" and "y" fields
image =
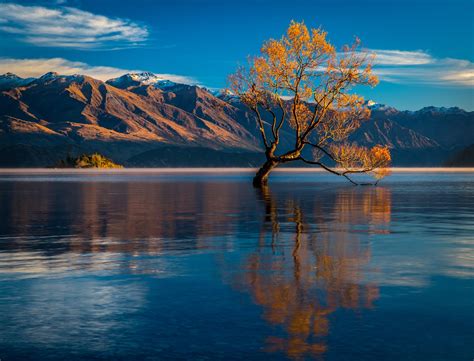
{"x": 137, "y": 118}
{"x": 81, "y": 111}
{"x": 464, "y": 158}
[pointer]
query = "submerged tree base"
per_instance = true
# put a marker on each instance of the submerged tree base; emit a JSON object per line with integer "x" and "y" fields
{"x": 261, "y": 178}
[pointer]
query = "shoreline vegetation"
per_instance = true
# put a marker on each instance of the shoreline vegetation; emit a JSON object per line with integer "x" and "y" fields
{"x": 184, "y": 170}
{"x": 87, "y": 161}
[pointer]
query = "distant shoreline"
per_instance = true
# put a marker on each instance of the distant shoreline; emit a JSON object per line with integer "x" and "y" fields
{"x": 217, "y": 169}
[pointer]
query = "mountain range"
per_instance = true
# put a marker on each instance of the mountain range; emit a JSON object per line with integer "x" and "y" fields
{"x": 140, "y": 119}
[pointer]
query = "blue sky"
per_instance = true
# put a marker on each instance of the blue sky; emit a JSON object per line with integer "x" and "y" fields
{"x": 425, "y": 48}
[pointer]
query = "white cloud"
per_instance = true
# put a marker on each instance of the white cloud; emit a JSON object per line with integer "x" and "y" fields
{"x": 68, "y": 27}
{"x": 36, "y": 67}
{"x": 401, "y": 57}
{"x": 419, "y": 67}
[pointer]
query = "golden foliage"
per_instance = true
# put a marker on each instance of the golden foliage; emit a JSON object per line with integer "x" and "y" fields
{"x": 305, "y": 65}
{"x": 354, "y": 159}
{"x": 302, "y": 81}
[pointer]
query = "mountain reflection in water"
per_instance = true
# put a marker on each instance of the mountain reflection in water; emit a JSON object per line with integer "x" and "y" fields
{"x": 153, "y": 268}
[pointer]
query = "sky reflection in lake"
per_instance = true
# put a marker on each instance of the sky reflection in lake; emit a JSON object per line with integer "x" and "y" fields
{"x": 143, "y": 265}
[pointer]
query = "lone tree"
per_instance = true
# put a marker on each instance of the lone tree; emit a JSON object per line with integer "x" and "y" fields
{"x": 300, "y": 88}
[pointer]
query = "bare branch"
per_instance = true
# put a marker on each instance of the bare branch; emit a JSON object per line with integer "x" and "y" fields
{"x": 262, "y": 129}
{"x": 328, "y": 169}
{"x": 321, "y": 149}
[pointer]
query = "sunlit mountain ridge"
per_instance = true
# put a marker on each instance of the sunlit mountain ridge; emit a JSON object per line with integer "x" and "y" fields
{"x": 142, "y": 119}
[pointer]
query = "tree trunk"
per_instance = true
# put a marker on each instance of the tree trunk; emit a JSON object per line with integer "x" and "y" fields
{"x": 261, "y": 178}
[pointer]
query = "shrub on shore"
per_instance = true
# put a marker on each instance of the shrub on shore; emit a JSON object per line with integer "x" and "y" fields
{"x": 94, "y": 160}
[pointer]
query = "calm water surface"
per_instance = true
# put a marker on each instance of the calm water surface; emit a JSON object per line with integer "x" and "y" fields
{"x": 201, "y": 266}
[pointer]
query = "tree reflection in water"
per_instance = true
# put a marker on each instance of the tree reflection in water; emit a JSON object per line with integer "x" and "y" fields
{"x": 301, "y": 253}
{"x": 307, "y": 267}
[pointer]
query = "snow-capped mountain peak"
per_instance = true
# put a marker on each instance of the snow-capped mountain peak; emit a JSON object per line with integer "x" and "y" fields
{"x": 10, "y": 80}
{"x": 52, "y": 76}
{"x": 374, "y": 106}
{"x": 143, "y": 78}
{"x": 226, "y": 95}
{"x": 49, "y": 75}
{"x": 9, "y": 76}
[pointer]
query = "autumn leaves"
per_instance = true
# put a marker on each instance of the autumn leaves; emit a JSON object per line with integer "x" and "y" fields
{"x": 300, "y": 82}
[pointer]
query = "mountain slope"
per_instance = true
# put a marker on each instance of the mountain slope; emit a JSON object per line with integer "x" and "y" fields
{"x": 464, "y": 158}
{"x": 449, "y": 127}
{"x": 392, "y": 134}
{"x": 142, "y": 115}
{"x": 82, "y": 110}
{"x": 192, "y": 99}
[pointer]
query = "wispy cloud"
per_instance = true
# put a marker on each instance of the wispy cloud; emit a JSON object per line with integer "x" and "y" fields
{"x": 419, "y": 67}
{"x": 69, "y": 27}
{"x": 36, "y": 67}
{"x": 401, "y": 57}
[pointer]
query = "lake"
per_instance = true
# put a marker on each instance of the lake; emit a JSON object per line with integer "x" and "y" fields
{"x": 198, "y": 265}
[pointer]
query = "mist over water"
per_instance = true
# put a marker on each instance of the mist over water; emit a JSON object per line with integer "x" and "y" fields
{"x": 197, "y": 264}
